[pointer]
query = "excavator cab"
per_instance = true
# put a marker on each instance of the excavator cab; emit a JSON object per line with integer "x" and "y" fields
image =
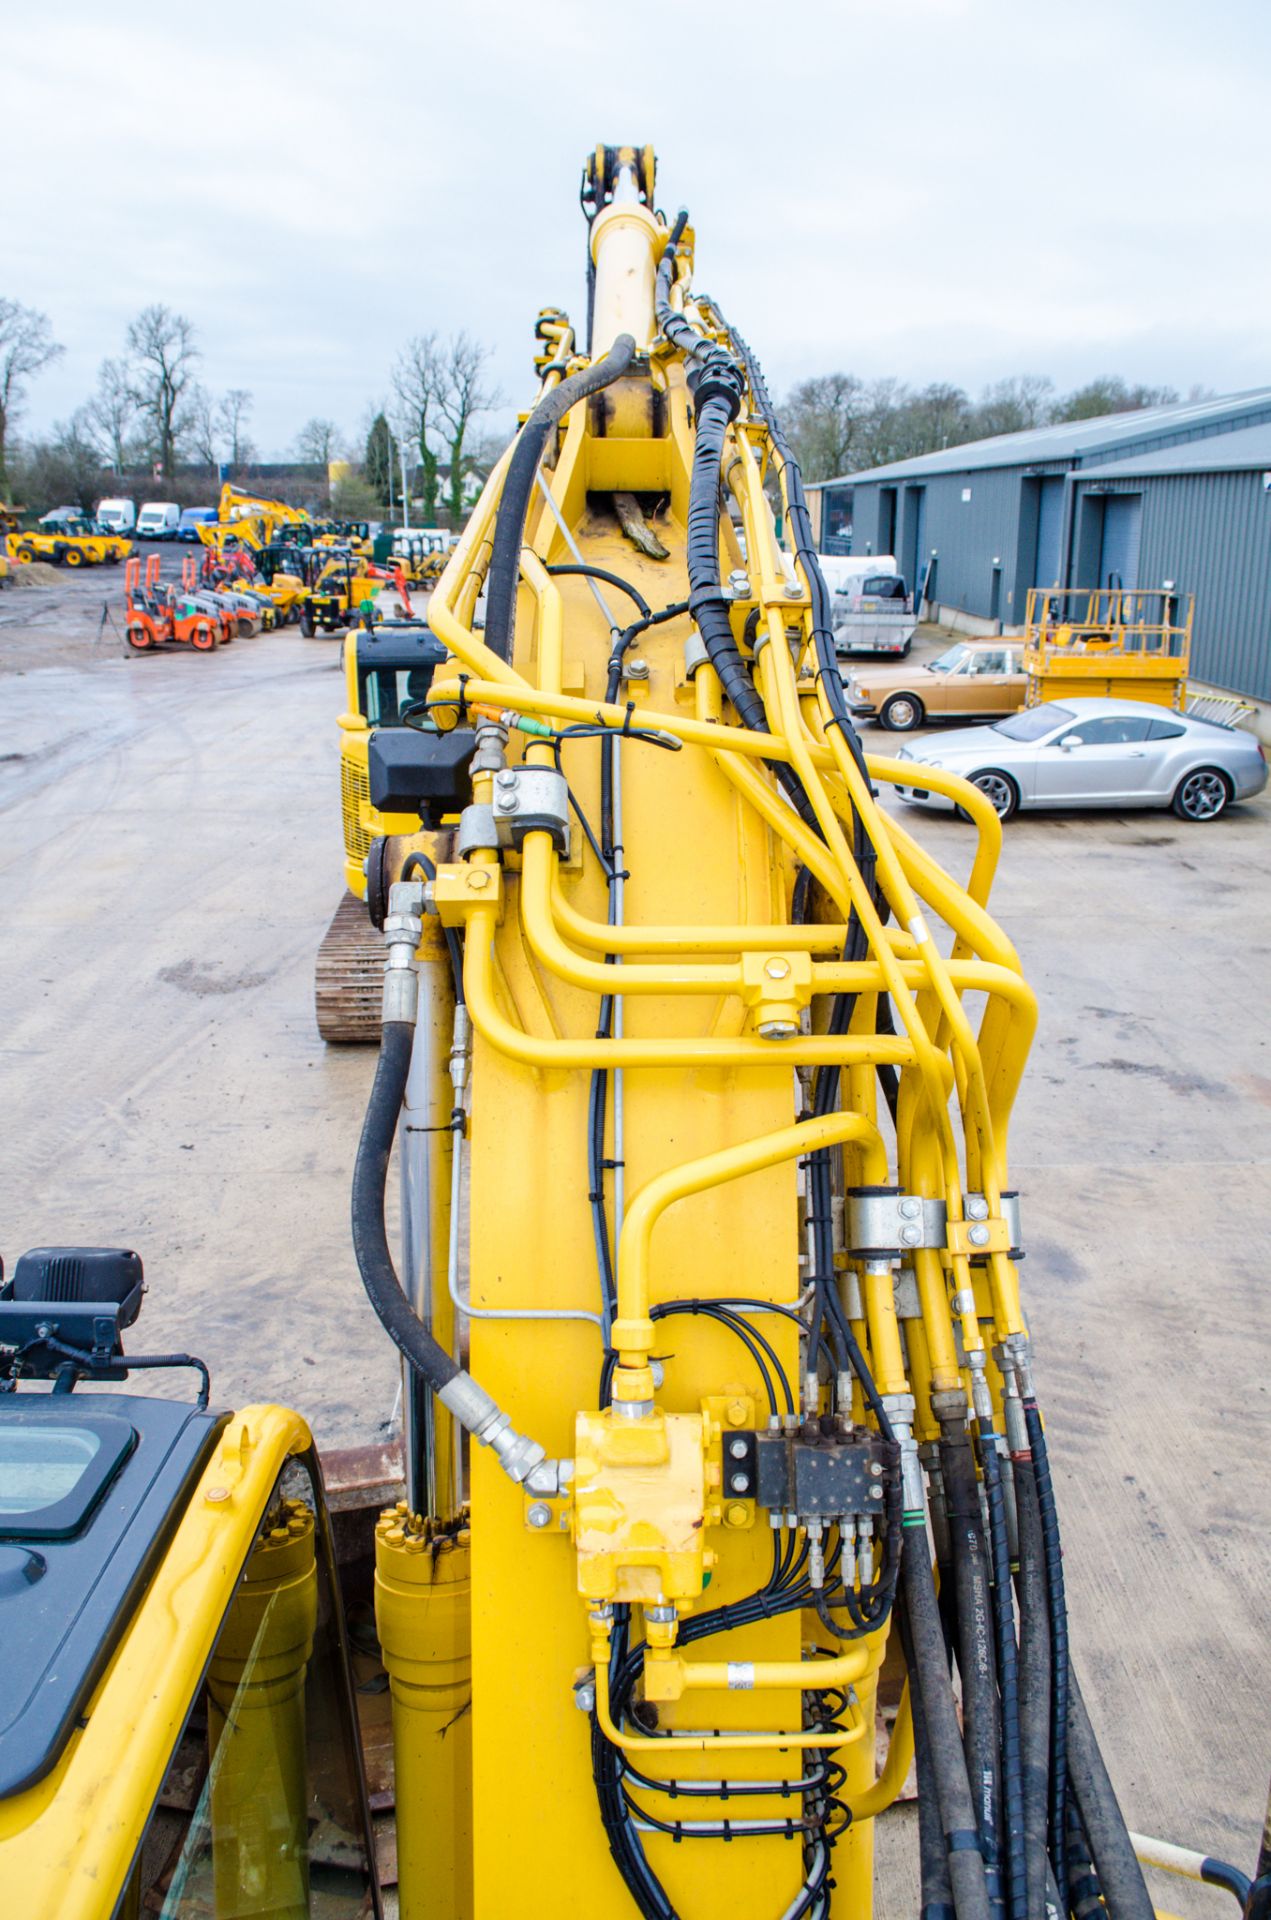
{"x": 169, "y": 1598}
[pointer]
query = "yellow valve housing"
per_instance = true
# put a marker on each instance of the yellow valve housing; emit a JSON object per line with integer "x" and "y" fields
{"x": 640, "y": 1506}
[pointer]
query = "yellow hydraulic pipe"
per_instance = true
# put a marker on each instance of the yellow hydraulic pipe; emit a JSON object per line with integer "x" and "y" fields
{"x": 714, "y": 1170}
{"x": 900, "y": 1757}
{"x": 532, "y": 1051}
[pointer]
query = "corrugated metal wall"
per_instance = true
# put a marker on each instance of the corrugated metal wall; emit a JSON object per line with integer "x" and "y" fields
{"x": 1210, "y": 533}
{"x": 966, "y": 535}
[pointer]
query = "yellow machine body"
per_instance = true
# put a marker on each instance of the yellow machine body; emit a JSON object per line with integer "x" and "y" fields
{"x": 68, "y": 549}
{"x": 722, "y": 999}
{"x": 68, "y": 1843}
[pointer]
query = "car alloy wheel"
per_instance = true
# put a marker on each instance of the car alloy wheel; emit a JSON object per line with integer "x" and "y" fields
{"x": 1203, "y": 795}
{"x": 1001, "y": 793}
{"x": 902, "y": 713}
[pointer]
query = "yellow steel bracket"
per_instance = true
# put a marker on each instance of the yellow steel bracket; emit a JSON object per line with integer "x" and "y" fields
{"x": 724, "y": 1414}
{"x": 459, "y": 890}
{"x": 973, "y": 1238}
{"x": 776, "y": 987}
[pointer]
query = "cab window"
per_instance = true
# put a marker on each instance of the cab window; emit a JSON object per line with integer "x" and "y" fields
{"x": 1114, "y": 731}
{"x": 388, "y": 693}
{"x": 263, "y": 1808}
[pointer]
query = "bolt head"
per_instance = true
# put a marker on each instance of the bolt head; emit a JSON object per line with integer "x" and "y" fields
{"x": 979, "y": 1236}
{"x": 585, "y": 1695}
{"x": 875, "y": 1493}
{"x": 478, "y": 879}
{"x": 737, "y": 1448}
{"x": 735, "y": 1516}
{"x": 735, "y": 1413}
{"x": 776, "y": 968}
{"x": 737, "y": 1483}
{"x": 910, "y": 1236}
{"x": 910, "y": 1208}
{"x": 539, "y": 1514}
{"x": 977, "y": 1207}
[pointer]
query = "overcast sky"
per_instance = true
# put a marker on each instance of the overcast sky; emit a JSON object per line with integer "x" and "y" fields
{"x": 937, "y": 189}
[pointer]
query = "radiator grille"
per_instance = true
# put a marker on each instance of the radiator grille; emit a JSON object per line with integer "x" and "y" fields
{"x": 356, "y": 795}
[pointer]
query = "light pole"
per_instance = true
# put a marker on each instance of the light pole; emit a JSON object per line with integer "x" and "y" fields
{"x": 403, "y": 433}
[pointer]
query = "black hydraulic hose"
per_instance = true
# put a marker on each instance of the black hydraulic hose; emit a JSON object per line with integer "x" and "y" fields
{"x": 718, "y": 399}
{"x": 1059, "y": 1664}
{"x": 370, "y": 1239}
{"x": 935, "y": 1887}
{"x": 1034, "y": 1684}
{"x": 976, "y": 1664}
{"x": 929, "y": 1686}
{"x": 1085, "y": 1894}
{"x": 509, "y": 526}
{"x": 1120, "y": 1875}
{"x": 1007, "y": 1676}
{"x": 602, "y": 573}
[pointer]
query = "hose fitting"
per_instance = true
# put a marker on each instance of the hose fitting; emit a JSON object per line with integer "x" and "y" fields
{"x": 717, "y": 377}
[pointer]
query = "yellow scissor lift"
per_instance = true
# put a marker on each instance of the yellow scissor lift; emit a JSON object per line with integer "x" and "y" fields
{"x": 1118, "y": 643}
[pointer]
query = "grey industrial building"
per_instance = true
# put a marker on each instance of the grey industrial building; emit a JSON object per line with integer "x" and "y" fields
{"x": 1175, "y": 497}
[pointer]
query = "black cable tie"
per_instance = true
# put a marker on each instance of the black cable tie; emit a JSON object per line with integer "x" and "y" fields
{"x": 611, "y": 1166}
{"x": 626, "y": 725}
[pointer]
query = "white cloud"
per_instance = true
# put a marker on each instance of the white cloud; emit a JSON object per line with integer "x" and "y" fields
{"x": 937, "y": 188}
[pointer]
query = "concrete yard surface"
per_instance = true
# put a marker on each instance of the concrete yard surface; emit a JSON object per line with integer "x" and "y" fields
{"x": 169, "y": 860}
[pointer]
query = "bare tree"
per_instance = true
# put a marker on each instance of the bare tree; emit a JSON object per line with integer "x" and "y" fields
{"x": 418, "y": 377}
{"x": 824, "y": 417}
{"x": 199, "y": 426}
{"x": 163, "y": 347}
{"x": 461, "y": 398}
{"x": 109, "y": 415}
{"x": 318, "y": 442}
{"x": 232, "y": 415}
{"x": 1011, "y": 406}
{"x": 1111, "y": 394}
{"x": 26, "y": 347}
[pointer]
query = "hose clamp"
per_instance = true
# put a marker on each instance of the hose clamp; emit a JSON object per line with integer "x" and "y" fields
{"x": 477, "y": 831}
{"x": 883, "y": 1223}
{"x": 695, "y": 656}
{"x": 531, "y": 800}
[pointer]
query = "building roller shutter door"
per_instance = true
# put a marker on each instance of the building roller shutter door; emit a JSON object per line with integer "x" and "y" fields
{"x": 1119, "y": 553}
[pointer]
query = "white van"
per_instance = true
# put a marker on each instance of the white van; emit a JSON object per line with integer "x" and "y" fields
{"x": 158, "y": 520}
{"x": 117, "y": 516}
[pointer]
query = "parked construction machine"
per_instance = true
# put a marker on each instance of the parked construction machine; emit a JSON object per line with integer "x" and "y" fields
{"x": 155, "y": 615}
{"x": 1126, "y": 645}
{"x": 721, "y": 1408}
{"x": 388, "y": 671}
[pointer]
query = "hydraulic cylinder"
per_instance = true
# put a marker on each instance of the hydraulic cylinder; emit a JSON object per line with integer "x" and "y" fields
{"x": 256, "y": 1729}
{"x": 422, "y": 1613}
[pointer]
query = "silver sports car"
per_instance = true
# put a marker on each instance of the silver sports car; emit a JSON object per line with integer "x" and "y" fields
{"x": 1097, "y": 753}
